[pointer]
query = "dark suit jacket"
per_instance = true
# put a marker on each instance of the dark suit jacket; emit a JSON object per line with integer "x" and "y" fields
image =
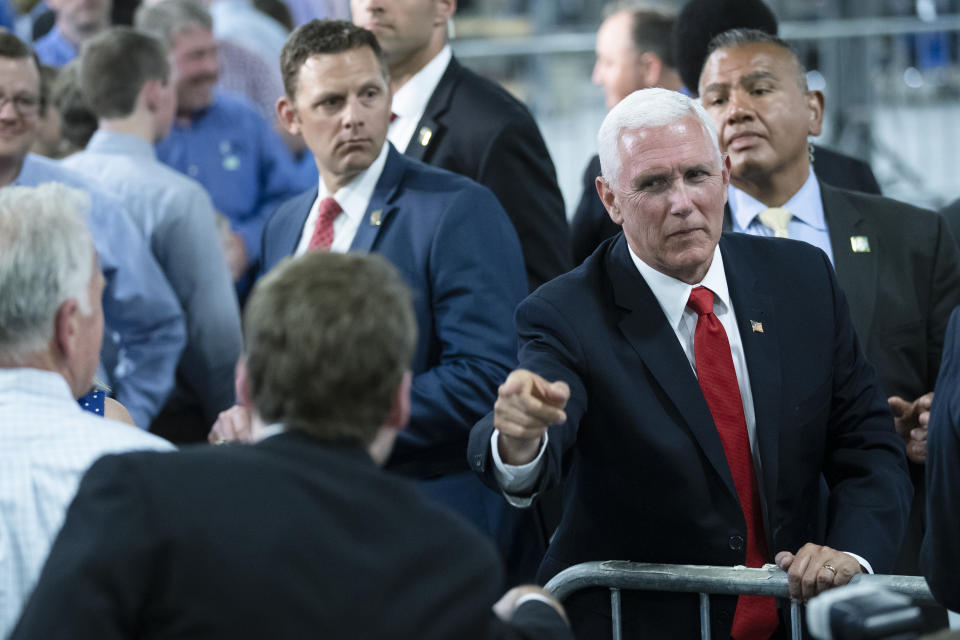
{"x": 647, "y": 479}
{"x": 591, "y": 224}
{"x": 290, "y": 538}
{"x": 479, "y": 130}
{"x": 456, "y": 249}
{"x": 940, "y": 557}
{"x": 902, "y": 291}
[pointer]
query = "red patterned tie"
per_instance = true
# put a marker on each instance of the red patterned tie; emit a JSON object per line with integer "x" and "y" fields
{"x": 756, "y": 616}
{"x": 322, "y": 237}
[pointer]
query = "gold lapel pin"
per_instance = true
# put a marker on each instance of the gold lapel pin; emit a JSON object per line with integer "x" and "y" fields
{"x": 756, "y": 326}
{"x": 424, "y": 136}
{"x": 375, "y": 217}
{"x": 860, "y": 244}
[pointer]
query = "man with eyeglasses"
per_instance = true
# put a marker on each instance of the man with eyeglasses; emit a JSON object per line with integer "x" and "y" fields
{"x": 145, "y": 329}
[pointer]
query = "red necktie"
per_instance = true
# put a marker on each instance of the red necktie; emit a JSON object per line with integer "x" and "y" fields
{"x": 756, "y": 616}
{"x": 322, "y": 236}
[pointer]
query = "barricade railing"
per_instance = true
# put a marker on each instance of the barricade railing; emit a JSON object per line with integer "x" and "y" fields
{"x": 617, "y": 575}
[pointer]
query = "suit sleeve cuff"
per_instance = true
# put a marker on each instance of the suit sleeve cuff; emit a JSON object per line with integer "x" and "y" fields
{"x": 517, "y": 481}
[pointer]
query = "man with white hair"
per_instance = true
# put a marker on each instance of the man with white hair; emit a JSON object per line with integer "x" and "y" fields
{"x": 51, "y": 325}
{"x": 690, "y": 390}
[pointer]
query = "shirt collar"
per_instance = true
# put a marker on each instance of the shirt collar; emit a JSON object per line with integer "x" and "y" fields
{"x": 120, "y": 143}
{"x": 354, "y": 196}
{"x": 36, "y": 382}
{"x": 805, "y": 205}
{"x": 410, "y": 100}
{"x": 672, "y": 294}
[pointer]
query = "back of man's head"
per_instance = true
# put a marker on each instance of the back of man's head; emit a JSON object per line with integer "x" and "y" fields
{"x": 45, "y": 260}
{"x": 329, "y": 338}
{"x": 701, "y": 20}
{"x": 320, "y": 37}
{"x": 647, "y": 108}
{"x": 115, "y": 66}
{"x": 167, "y": 18}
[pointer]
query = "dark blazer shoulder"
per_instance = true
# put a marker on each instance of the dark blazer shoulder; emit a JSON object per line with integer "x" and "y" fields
{"x": 465, "y": 91}
{"x": 844, "y": 171}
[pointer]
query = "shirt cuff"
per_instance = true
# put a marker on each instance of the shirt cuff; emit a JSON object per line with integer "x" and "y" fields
{"x": 862, "y": 561}
{"x": 517, "y": 481}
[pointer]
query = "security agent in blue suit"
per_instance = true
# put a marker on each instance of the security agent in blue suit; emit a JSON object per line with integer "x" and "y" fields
{"x": 448, "y": 236}
{"x": 608, "y": 396}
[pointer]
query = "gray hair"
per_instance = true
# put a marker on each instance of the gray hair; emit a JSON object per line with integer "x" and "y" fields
{"x": 644, "y": 109}
{"x": 167, "y": 18}
{"x": 45, "y": 260}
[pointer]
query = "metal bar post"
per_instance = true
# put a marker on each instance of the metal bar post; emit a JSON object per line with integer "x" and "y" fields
{"x": 795, "y": 620}
{"x": 705, "y": 616}
{"x": 615, "y": 613}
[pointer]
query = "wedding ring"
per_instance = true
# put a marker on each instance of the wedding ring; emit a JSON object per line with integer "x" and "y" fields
{"x": 831, "y": 568}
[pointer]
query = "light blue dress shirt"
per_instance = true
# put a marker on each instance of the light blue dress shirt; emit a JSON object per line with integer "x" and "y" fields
{"x": 53, "y": 50}
{"x": 807, "y": 224}
{"x": 145, "y": 332}
{"x": 239, "y": 159}
{"x": 176, "y": 216}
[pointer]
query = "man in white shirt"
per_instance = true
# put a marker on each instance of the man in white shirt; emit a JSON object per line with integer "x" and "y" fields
{"x": 898, "y": 264}
{"x": 450, "y": 117}
{"x": 690, "y": 390}
{"x": 52, "y": 326}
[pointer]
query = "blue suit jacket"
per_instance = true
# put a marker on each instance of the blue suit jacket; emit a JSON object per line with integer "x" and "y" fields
{"x": 646, "y": 475}
{"x": 940, "y": 557}
{"x": 456, "y": 248}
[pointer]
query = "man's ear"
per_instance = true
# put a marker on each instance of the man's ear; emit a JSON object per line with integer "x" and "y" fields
{"x": 815, "y": 103}
{"x": 399, "y": 413}
{"x": 446, "y": 9}
{"x": 65, "y": 328}
{"x": 287, "y": 116}
{"x": 609, "y": 199}
{"x": 651, "y": 68}
{"x": 150, "y": 94}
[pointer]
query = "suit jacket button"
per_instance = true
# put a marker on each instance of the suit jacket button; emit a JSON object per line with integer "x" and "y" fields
{"x": 735, "y": 543}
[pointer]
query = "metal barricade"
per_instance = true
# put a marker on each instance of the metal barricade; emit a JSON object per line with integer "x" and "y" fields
{"x": 617, "y": 575}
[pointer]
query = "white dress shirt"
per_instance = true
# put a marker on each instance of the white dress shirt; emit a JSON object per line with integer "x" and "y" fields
{"x": 47, "y": 442}
{"x": 410, "y": 100}
{"x": 808, "y": 224}
{"x": 353, "y": 199}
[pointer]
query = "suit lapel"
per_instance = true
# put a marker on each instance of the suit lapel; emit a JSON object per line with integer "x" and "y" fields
{"x": 856, "y": 270}
{"x": 759, "y": 335}
{"x": 429, "y": 130}
{"x": 381, "y": 205}
{"x": 291, "y": 228}
{"x": 646, "y": 329}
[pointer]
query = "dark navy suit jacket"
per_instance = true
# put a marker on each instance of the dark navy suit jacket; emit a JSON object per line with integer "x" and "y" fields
{"x": 940, "y": 557}
{"x": 456, "y": 248}
{"x": 646, "y": 477}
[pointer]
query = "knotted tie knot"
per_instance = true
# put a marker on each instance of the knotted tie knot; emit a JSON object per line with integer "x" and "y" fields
{"x": 777, "y": 219}
{"x": 327, "y": 212}
{"x": 701, "y": 300}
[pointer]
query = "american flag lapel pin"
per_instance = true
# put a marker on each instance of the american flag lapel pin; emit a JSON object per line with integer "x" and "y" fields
{"x": 756, "y": 326}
